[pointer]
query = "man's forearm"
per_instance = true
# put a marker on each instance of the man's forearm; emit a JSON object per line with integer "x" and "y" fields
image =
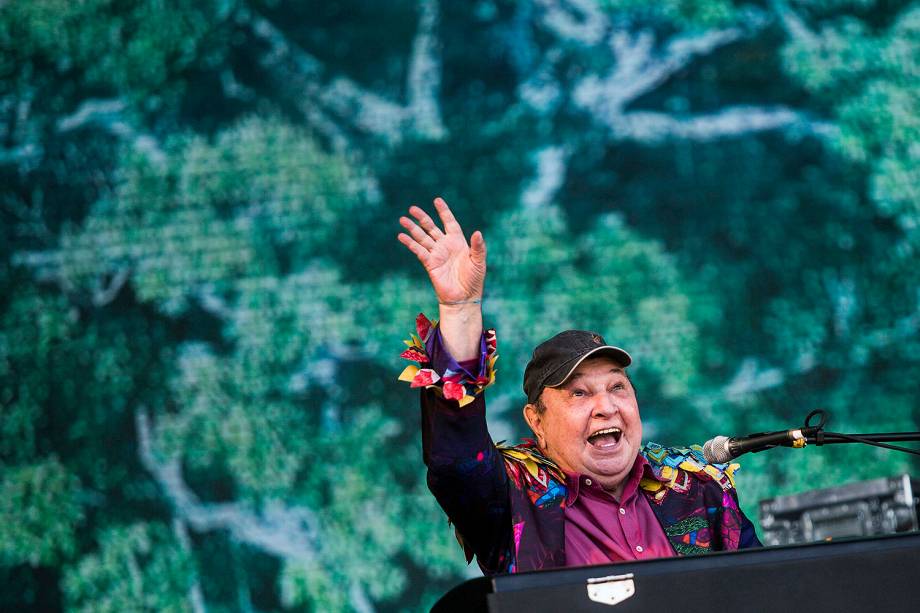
{"x": 466, "y": 473}
{"x": 461, "y": 330}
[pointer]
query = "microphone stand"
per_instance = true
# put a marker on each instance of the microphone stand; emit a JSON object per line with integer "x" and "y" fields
{"x": 817, "y": 436}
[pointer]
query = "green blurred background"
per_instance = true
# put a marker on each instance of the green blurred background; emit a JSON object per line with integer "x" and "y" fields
{"x": 202, "y": 298}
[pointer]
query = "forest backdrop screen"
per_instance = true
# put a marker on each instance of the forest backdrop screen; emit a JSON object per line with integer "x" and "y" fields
{"x": 203, "y": 301}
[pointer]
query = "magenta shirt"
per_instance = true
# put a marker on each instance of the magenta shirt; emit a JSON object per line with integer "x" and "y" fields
{"x": 599, "y": 529}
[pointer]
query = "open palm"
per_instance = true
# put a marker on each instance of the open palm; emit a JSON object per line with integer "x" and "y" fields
{"x": 457, "y": 270}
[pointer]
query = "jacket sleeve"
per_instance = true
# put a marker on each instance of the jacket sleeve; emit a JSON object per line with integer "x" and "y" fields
{"x": 747, "y": 537}
{"x": 466, "y": 474}
{"x": 748, "y": 534}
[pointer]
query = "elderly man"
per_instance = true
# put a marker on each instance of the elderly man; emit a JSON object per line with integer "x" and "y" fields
{"x": 585, "y": 491}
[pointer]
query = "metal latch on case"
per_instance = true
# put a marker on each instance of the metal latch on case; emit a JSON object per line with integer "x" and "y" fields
{"x": 611, "y": 590}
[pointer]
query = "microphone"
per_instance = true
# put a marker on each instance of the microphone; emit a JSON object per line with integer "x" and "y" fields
{"x": 722, "y": 449}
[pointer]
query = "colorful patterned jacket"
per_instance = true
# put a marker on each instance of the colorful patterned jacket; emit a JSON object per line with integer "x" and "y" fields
{"x": 507, "y": 503}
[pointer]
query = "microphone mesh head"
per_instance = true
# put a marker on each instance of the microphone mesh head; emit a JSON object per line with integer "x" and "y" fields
{"x": 716, "y": 450}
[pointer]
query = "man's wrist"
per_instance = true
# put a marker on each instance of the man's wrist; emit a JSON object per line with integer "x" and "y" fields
{"x": 472, "y": 303}
{"x": 461, "y": 313}
{"x": 461, "y": 329}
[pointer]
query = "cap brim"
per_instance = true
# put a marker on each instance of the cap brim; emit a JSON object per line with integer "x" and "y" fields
{"x": 622, "y": 357}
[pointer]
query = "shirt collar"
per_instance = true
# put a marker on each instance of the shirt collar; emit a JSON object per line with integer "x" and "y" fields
{"x": 641, "y": 468}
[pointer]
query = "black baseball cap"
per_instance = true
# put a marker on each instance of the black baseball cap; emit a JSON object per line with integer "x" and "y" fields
{"x": 555, "y": 359}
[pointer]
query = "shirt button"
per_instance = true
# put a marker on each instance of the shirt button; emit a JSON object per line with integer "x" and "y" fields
{"x": 622, "y": 511}
{"x": 639, "y": 548}
{"x": 587, "y": 481}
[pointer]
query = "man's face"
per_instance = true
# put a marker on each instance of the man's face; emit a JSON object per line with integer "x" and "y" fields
{"x": 591, "y": 423}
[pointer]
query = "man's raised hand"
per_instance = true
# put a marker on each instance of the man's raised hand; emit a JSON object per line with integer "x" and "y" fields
{"x": 457, "y": 270}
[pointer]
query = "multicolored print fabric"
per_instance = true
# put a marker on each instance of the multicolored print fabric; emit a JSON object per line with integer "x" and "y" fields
{"x": 670, "y": 466}
{"x": 534, "y": 473}
{"x": 454, "y": 383}
{"x": 679, "y": 474}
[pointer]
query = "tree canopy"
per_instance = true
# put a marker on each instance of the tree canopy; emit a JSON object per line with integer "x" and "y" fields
{"x": 202, "y": 299}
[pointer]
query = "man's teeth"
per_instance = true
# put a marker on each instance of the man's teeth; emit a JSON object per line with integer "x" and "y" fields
{"x": 616, "y": 432}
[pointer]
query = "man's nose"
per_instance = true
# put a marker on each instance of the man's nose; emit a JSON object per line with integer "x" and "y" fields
{"x": 603, "y": 406}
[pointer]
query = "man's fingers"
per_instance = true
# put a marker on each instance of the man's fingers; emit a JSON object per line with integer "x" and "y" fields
{"x": 417, "y": 233}
{"x": 426, "y": 222}
{"x": 420, "y": 252}
{"x": 478, "y": 248}
{"x": 447, "y": 218}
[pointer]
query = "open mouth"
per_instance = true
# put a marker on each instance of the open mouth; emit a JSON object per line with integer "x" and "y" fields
{"x": 607, "y": 437}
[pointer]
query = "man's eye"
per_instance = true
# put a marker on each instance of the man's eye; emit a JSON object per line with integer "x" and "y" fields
{"x": 578, "y": 393}
{"x": 619, "y": 386}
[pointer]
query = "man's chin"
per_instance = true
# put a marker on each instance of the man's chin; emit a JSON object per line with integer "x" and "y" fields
{"x": 612, "y": 464}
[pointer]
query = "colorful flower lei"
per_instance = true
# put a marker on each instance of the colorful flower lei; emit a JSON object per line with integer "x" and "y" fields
{"x": 452, "y": 385}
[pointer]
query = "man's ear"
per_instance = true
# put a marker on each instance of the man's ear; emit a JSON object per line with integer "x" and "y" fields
{"x": 534, "y": 419}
